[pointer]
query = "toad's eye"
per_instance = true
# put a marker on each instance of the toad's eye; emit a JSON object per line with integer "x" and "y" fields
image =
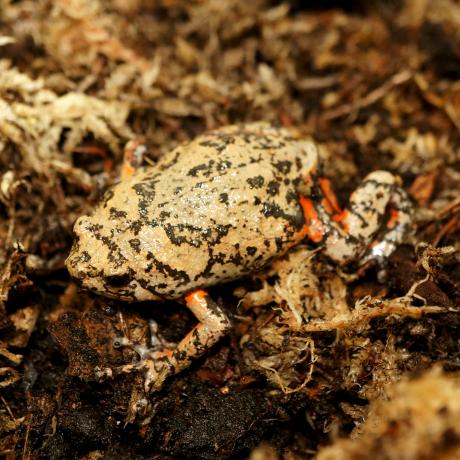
{"x": 117, "y": 281}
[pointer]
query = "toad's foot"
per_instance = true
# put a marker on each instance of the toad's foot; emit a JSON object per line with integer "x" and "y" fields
{"x": 156, "y": 365}
{"x": 159, "y": 364}
{"x": 132, "y": 157}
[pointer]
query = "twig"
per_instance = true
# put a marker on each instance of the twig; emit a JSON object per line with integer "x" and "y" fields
{"x": 8, "y": 408}
{"x": 371, "y": 98}
{"x": 445, "y": 229}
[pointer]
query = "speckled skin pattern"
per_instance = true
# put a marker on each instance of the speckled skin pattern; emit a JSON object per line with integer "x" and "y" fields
{"x": 210, "y": 211}
{"x": 214, "y": 209}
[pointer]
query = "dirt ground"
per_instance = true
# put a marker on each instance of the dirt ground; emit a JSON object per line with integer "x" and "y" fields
{"x": 321, "y": 363}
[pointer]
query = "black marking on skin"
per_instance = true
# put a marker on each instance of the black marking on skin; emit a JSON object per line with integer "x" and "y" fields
{"x": 291, "y": 197}
{"x": 85, "y": 256}
{"x": 136, "y": 226}
{"x": 223, "y": 165}
{"x": 205, "y": 168}
{"x": 172, "y": 230}
{"x": 255, "y": 182}
{"x": 95, "y": 229}
{"x": 273, "y": 188}
{"x": 215, "y": 310}
{"x": 220, "y": 143}
{"x": 251, "y": 250}
{"x": 356, "y": 240}
{"x": 172, "y": 162}
{"x": 297, "y": 181}
{"x": 283, "y": 167}
{"x": 178, "y": 275}
{"x": 74, "y": 258}
{"x": 151, "y": 175}
{"x": 407, "y": 208}
{"x": 245, "y": 136}
{"x": 273, "y": 210}
{"x": 223, "y": 198}
{"x": 298, "y": 163}
{"x": 197, "y": 343}
{"x": 236, "y": 259}
{"x": 337, "y": 233}
{"x": 222, "y": 230}
{"x": 367, "y": 207}
{"x": 377, "y": 184}
{"x": 279, "y": 244}
{"x": 364, "y": 222}
{"x": 257, "y": 201}
{"x": 316, "y": 194}
{"x": 142, "y": 206}
{"x": 116, "y": 214}
{"x": 267, "y": 243}
{"x": 199, "y": 234}
{"x": 149, "y": 267}
{"x": 146, "y": 285}
{"x": 213, "y": 259}
{"x": 135, "y": 243}
{"x": 253, "y": 160}
{"x": 114, "y": 255}
{"x": 146, "y": 190}
{"x": 266, "y": 141}
{"x": 108, "y": 195}
{"x": 164, "y": 215}
{"x": 178, "y": 190}
{"x": 219, "y": 258}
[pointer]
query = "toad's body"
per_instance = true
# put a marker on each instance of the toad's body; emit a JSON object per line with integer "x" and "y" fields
{"x": 219, "y": 207}
{"x": 210, "y": 211}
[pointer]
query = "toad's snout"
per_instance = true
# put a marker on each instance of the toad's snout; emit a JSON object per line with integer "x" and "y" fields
{"x": 78, "y": 262}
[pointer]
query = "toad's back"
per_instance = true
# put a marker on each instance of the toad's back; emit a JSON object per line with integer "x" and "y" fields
{"x": 209, "y": 211}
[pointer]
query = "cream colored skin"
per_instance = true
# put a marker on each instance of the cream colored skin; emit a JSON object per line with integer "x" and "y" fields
{"x": 213, "y": 210}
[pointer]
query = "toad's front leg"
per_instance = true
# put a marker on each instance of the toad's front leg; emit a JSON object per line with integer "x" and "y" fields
{"x": 213, "y": 324}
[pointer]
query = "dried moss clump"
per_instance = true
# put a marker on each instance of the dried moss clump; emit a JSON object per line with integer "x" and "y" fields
{"x": 418, "y": 419}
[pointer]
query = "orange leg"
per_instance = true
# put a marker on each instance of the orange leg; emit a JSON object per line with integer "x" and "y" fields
{"x": 329, "y": 195}
{"x": 318, "y": 216}
{"x": 213, "y": 324}
{"x": 350, "y": 234}
{"x": 314, "y": 227}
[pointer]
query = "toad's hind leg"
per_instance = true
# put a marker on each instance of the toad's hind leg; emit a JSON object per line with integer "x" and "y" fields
{"x": 361, "y": 232}
{"x": 213, "y": 324}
